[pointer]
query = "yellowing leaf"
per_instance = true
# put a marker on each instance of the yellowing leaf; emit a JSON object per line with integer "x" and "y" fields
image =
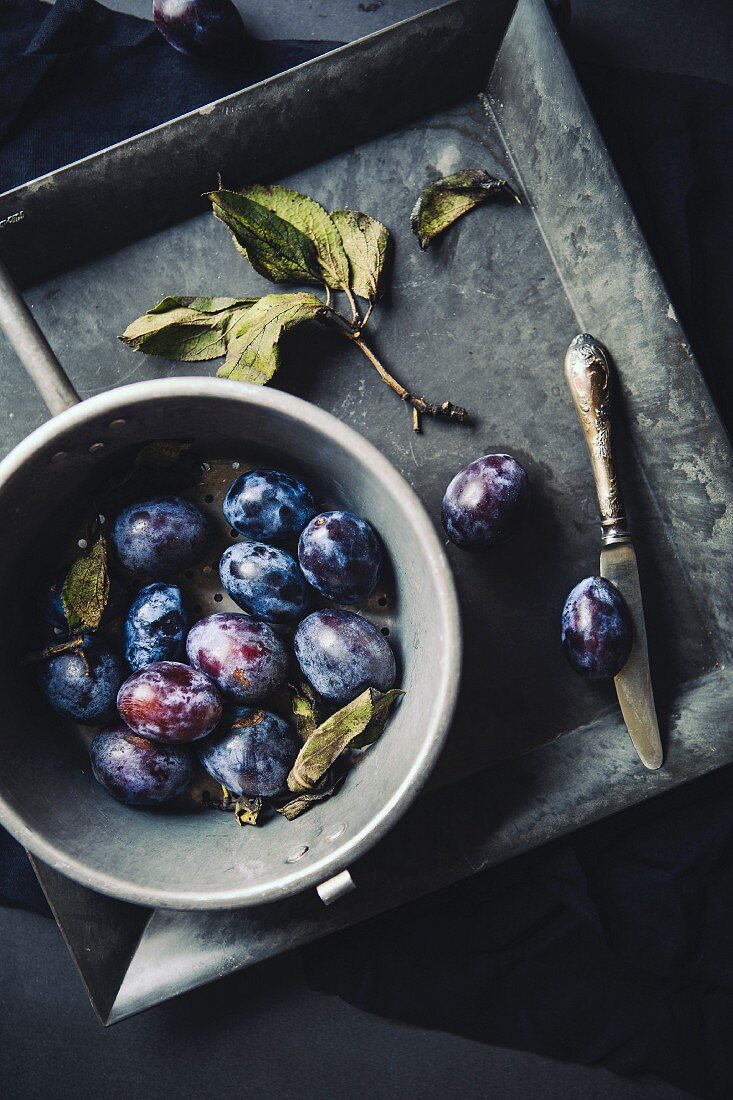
{"x": 365, "y": 241}
{"x": 198, "y": 305}
{"x": 247, "y": 810}
{"x": 356, "y": 725}
{"x": 275, "y": 247}
{"x": 305, "y": 709}
{"x": 296, "y": 805}
{"x": 185, "y": 331}
{"x": 446, "y": 200}
{"x": 310, "y": 218}
{"x": 253, "y": 343}
{"x": 85, "y": 591}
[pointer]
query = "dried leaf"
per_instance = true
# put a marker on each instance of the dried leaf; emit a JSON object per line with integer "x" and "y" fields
{"x": 276, "y": 248}
{"x": 355, "y": 726}
{"x": 449, "y": 198}
{"x": 247, "y": 810}
{"x": 164, "y": 452}
{"x": 252, "y": 719}
{"x": 85, "y": 591}
{"x": 199, "y": 305}
{"x": 186, "y": 331}
{"x": 311, "y": 219}
{"x": 305, "y": 709}
{"x": 365, "y": 241}
{"x": 253, "y": 353}
{"x": 298, "y": 805}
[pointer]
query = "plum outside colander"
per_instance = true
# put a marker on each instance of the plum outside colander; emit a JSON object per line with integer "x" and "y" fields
{"x": 48, "y": 798}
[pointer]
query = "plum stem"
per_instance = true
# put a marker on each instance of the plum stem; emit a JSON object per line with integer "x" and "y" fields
{"x": 446, "y": 410}
{"x": 69, "y": 645}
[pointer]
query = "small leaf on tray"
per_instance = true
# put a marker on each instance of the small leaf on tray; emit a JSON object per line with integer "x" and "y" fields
{"x": 247, "y": 810}
{"x": 177, "y": 328}
{"x": 275, "y": 247}
{"x": 253, "y": 346}
{"x": 446, "y": 200}
{"x": 311, "y": 219}
{"x": 354, "y": 726}
{"x": 298, "y": 804}
{"x": 85, "y": 591}
{"x": 366, "y": 242}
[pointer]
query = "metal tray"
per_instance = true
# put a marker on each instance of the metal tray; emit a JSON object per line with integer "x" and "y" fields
{"x": 482, "y": 319}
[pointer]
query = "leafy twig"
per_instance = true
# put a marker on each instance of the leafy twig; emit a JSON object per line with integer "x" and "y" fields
{"x": 288, "y": 238}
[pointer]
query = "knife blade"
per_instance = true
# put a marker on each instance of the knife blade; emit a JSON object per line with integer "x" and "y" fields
{"x": 633, "y": 683}
{"x": 588, "y": 376}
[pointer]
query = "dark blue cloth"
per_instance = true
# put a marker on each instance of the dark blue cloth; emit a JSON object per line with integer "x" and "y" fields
{"x": 76, "y": 77}
{"x": 612, "y": 948}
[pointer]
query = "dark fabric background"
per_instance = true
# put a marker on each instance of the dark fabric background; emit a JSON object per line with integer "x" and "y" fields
{"x": 615, "y": 946}
{"x": 77, "y": 77}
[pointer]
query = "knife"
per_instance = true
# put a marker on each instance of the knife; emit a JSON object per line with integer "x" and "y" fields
{"x": 588, "y": 376}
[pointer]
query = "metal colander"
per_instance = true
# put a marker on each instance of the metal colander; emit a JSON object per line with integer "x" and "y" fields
{"x": 183, "y": 857}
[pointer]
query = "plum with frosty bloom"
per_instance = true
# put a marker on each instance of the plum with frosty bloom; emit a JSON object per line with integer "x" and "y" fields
{"x": 244, "y": 657}
{"x": 137, "y": 771}
{"x": 251, "y": 752}
{"x": 170, "y": 701}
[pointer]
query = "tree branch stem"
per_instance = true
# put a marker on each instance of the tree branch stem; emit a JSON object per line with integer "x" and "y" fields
{"x": 446, "y": 410}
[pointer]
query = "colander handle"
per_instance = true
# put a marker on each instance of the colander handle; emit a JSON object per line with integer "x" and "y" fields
{"x": 33, "y": 349}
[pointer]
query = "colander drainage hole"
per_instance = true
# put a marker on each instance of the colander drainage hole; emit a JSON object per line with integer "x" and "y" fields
{"x": 218, "y": 597}
{"x": 209, "y": 498}
{"x": 297, "y": 854}
{"x": 385, "y": 631}
{"x": 59, "y": 456}
{"x": 96, "y": 447}
{"x": 336, "y": 832}
{"x": 119, "y": 423}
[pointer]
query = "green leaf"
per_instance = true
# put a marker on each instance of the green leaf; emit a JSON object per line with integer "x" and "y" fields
{"x": 355, "y": 726}
{"x": 253, "y": 342}
{"x": 298, "y": 805}
{"x": 86, "y": 589}
{"x": 199, "y": 305}
{"x": 305, "y": 709}
{"x": 366, "y": 242}
{"x": 188, "y": 332}
{"x": 275, "y": 247}
{"x": 311, "y": 219}
{"x": 247, "y": 810}
{"x": 449, "y": 198}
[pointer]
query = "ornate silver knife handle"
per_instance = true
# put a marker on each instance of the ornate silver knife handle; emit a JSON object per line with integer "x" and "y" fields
{"x": 588, "y": 377}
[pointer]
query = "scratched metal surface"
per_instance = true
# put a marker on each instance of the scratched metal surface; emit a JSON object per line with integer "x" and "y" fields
{"x": 483, "y": 319}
